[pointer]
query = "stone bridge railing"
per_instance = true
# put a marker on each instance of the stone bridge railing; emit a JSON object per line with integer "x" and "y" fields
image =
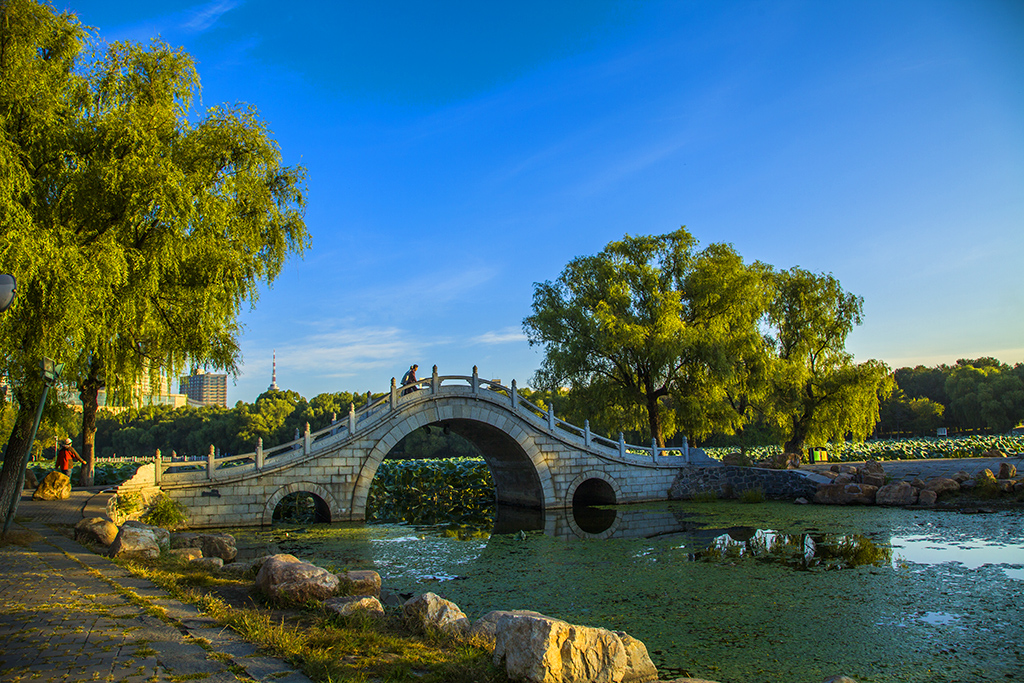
{"x": 171, "y": 472}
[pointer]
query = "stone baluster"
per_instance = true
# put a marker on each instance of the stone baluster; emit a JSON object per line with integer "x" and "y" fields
{"x": 158, "y": 466}
{"x": 515, "y": 398}
{"x": 334, "y": 417}
{"x": 622, "y": 445}
{"x": 686, "y": 449}
{"x": 475, "y": 382}
{"x": 586, "y": 433}
{"x": 551, "y": 416}
{"x": 394, "y": 393}
{"x": 351, "y": 418}
{"x": 369, "y": 398}
{"x": 259, "y": 453}
{"x": 654, "y": 451}
{"x": 211, "y": 456}
{"x": 306, "y": 441}
{"x": 435, "y": 382}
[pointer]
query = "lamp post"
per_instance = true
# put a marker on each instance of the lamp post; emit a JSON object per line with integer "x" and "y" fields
{"x": 51, "y": 373}
{"x": 8, "y": 288}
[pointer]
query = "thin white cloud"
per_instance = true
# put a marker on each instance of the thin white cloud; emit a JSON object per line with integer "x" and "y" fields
{"x": 505, "y": 335}
{"x": 345, "y": 353}
{"x": 203, "y": 18}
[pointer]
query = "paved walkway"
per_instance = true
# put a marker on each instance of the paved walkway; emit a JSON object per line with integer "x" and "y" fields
{"x": 67, "y": 614}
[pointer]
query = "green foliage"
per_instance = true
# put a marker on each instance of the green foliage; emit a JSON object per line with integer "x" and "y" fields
{"x": 166, "y": 513}
{"x": 900, "y": 449}
{"x": 752, "y": 496}
{"x": 705, "y": 497}
{"x": 456, "y": 491}
{"x": 819, "y": 393}
{"x": 127, "y": 503}
{"x": 653, "y": 335}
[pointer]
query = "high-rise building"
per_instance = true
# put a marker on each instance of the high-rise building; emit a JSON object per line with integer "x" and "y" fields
{"x": 205, "y": 388}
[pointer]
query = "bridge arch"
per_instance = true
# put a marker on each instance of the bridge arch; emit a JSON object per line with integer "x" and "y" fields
{"x": 335, "y": 512}
{"x": 517, "y": 464}
{"x": 593, "y": 487}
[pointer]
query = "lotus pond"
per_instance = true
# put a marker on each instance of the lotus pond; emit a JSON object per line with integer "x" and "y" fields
{"x": 727, "y": 591}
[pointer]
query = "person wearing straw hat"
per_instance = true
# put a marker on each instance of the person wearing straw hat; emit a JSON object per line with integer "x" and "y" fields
{"x": 66, "y": 458}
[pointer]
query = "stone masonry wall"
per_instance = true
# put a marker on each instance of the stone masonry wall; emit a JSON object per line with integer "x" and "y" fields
{"x": 730, "y": 481}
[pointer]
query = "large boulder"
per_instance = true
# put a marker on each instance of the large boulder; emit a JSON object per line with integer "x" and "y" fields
{"x": 941, "y": 485}
{"x": 901, "y": 493}
{"x": 927, "y": 498}
{"x": 350, "y": 605}
{"x": 212, "y": 545}
{"x": 483, "y": 630}
{"x": 360, "y": 582}
{"x": 845, "y": 494}
{"x": 96, "y": 530}
{"x": 1006, "y": 471}
{"x": 286, "y": 577}
{"x": 431, "y": 611}
{"x": 55, "y": 486}
{"x": 162, "y": 536}
{"x": 135, "y": 542}
{"x": 540, "y": 649}
{"x": 639, "y": 667}
{"x": 30, "y": 479}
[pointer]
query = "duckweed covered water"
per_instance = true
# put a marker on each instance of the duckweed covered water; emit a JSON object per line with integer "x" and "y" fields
{"x": 732, "y": 592}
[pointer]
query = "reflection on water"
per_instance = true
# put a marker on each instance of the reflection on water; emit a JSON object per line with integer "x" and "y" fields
{"x": 720, "y": 591}
{"x": 799, "y": 551}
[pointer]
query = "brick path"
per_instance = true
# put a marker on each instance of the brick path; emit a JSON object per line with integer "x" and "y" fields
{"x": 69, "y": 615}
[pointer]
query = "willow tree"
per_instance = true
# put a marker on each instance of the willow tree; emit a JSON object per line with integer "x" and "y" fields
{"x": 819, "y": 393}
{"x": 196, "y": 216}
{"x": 142, "y": 226}
{"x": 650, "y": 330}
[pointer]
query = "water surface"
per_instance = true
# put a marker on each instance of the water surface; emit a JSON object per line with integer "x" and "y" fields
{"x": 730, "y": 592}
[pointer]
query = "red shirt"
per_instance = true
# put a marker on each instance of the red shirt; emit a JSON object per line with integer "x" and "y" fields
{"x": 66, "y": 457}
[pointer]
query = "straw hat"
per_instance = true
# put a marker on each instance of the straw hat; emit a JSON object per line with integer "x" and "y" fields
{"x": 67, "y": 442}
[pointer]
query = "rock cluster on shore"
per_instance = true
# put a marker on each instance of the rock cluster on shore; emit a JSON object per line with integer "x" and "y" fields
{"x": 867, "y": 485}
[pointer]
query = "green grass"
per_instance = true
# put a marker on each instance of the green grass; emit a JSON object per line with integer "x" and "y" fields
{"x": 328, "y": 648}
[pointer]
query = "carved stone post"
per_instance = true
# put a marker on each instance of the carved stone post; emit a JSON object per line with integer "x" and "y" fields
{"x": 158, "y": 466}
{"x": 515, "y": 397}
{"x": 435, "y": 383}
{"x": 306, "y": 441}
{"x": 351, "y": 418}
{"x": 475, "y": 382}
{"x": 622, "y": 445}
{"x": 211, "y": 456}
{"x": 394, "y": 394}
{"x": 586, "y": 433}
{"x": 551, "y": 416}
{"x": 654, "y": 451}
{"x": 259, "y": 453}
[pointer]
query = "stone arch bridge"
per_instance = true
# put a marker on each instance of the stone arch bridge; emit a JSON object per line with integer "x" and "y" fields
{"x": 536, "y": 460}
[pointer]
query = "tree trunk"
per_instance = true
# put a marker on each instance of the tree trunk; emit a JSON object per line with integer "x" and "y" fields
{"x": 19, "y": 450}
{"x": 89, "y": 392}
{"x": 654, "y": 420}
{"x": 795, "y": 443}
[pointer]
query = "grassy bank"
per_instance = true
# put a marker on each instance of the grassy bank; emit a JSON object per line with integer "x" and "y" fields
{"x": 327, "y": 648}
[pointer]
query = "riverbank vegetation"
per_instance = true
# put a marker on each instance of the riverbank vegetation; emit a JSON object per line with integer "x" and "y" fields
{"x": 326, "y": 648}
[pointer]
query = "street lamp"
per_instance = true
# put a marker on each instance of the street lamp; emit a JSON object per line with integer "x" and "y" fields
{"x": 51, "y": 373}
{"x": 8, "y": 288}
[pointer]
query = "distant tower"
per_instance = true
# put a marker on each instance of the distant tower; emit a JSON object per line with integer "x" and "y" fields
{"x": 273, "y": 375}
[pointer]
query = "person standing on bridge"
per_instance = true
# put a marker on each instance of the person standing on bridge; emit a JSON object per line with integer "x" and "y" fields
{"x": 410, "y": 378}
{"x": 66, "y": 458}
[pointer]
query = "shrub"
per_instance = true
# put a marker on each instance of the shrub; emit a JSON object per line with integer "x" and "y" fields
{"x": 127, "y": 503}
{"x": 166, "y": 513}
{"x": 705, "y": 497}
{"x": 752, "y": 496}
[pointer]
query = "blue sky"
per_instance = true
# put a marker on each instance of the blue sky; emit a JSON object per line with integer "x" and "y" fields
{"x": 459, "y": 152}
